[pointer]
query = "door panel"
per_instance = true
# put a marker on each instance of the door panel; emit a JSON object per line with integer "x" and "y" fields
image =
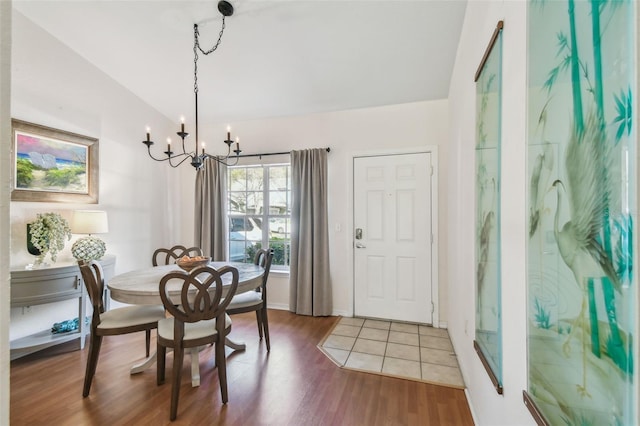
{"x": 392, "y": 260}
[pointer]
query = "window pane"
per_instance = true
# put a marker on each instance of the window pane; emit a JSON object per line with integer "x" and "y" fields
{"x": 277, "y": 228}
{"x": 278, "y": 178}
{"x": 278, "y": 202}
{"x": 254, "y": 229}
{"x": 236, "y": 228}
{"x": 237, "y": 202}
{"x": 255, "y": 179}
{"x": 252, "y": 248}
{"x": 237, "y": 179}
{"x": 255, "y": 202}
{"x": 236, "y": 251}
{"x": 281, "y": 252}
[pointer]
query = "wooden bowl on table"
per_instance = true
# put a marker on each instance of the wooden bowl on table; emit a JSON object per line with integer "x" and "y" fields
{"x": 188, "y": 263}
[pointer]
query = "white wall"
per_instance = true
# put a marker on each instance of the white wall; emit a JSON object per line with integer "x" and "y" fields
{"x": 480, "y": 21}
{"x": 53, "y": 86}
{"x": 394, "y": 127}
{"x": 5, "y": 135}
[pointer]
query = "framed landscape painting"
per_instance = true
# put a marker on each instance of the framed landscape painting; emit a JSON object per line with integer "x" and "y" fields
{"x": 52, "y": 165}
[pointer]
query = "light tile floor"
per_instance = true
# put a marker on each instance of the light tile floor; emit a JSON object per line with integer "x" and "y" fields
{"x": 410, "y": 351}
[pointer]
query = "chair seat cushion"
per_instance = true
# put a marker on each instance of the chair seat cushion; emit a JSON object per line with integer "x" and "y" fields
{"x": 246, "y": 299}
{"x": 194, "y": 330}
{"x": 131, "y": 316}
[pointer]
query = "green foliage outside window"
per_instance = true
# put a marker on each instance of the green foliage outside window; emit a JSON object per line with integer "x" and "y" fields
{"x": 281, "y": 251}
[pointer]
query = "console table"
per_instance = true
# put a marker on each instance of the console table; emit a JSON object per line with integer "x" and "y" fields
{"x": 55, "y": 283}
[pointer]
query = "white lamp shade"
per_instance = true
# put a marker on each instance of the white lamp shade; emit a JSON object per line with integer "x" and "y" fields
{"x": 89, "y": 222}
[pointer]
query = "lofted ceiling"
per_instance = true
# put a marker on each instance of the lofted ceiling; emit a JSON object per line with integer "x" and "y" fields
{"x": 277, "y": 58}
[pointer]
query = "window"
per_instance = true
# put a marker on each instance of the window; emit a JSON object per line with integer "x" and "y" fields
{"x": 259, "y": 200}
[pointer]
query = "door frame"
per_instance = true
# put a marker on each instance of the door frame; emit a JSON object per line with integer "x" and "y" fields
{"x": 433, "y": 151}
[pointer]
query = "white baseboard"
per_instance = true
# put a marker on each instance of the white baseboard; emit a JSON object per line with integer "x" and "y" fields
{"x": 279, "y": 306}
{"x": 285, "y": 307}
{"x": 473, "y": 413}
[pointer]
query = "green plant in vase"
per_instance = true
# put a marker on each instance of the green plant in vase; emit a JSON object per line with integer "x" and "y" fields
{"x": 48, "y": 234}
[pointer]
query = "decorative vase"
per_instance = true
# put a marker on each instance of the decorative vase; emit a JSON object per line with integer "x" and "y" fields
{"x": 30, "y": 247}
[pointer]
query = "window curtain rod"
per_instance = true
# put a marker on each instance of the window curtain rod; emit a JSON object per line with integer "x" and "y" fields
{"x": 270, "y": 153}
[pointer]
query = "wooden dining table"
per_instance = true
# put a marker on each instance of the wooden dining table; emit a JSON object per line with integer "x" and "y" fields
{"x": 142, "y": 287}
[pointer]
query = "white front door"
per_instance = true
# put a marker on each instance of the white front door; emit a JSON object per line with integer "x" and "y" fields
{"x": 392, "y": 237}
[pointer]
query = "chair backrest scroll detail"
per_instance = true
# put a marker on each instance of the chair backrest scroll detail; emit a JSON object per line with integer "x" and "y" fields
{"x": 166, "y": 256}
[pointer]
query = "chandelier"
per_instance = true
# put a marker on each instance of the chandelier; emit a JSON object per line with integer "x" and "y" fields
{"x": 197, "y": 160}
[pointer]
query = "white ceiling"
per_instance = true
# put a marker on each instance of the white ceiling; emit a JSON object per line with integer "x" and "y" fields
{"x": 276, "y": 58}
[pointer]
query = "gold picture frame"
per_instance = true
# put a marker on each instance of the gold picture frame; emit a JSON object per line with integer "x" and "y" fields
{"x": 54, "y": 166}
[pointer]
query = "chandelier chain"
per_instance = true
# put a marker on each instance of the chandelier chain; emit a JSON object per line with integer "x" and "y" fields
{"x": 176, "y": 158}
{"x": 196, "y": 47}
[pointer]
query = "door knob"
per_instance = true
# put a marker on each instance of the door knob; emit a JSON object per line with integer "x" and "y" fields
{"x": 360, "y": 245}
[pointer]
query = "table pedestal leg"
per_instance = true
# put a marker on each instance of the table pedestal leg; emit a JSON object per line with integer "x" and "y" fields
{"x": 148, "y": 362}
{"x": 234, "y": 345}
{"x": 195, "y": 360}
{"x": 195, "y": 366}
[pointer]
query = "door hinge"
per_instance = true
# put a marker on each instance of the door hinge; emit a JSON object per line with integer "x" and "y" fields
{"x": 433, "y": 308}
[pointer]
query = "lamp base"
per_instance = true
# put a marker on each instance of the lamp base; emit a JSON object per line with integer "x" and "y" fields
{"x": 88, "y": 248}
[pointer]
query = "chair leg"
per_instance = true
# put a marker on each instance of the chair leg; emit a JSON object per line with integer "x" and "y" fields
{"x": 92, "y": 362}
{"x": 160, "y": 363}
{"x": 265, "y": 325}
{"x": 221, "y": 363}
{"x": 178, "y": 357}
{"x": 148, "y": 332}
{"x": 259, "y": 320}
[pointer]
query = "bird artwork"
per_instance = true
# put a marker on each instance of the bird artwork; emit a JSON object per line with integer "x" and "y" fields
{"x": 539, "y": 185}
{"x": 588, "y": 188}
{"x": 487, "y": 223}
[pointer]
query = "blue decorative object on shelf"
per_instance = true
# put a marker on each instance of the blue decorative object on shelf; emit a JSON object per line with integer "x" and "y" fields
{"x": 67, "y": 326}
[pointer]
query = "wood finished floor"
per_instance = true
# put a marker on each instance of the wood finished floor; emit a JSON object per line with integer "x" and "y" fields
{"x": 294, "y": 384}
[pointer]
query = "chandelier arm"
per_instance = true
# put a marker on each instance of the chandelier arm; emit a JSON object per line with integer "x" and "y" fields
{"x": 154, "y": 158}
{"x": 186, "y": 157}
{"x": 220, "y": 160}
{"x": 169, "y": 158}
{"x": 184, "y": 151}
{"x": 229, "y": 164}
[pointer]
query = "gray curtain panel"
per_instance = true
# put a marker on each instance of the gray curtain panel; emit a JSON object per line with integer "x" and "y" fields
{"x": 211, "y": 209}
{"x": 309, "y": 277}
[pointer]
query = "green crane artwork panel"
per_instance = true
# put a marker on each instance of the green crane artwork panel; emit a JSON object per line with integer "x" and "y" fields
{"x": 581, "y": 206}
{"x": 488, "y": 332}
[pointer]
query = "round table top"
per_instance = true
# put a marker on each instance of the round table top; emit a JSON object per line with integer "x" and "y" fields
{"x": 141, "y": 286}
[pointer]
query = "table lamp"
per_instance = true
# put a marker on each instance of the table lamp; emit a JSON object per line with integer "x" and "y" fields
{"x": 89, "y": 222}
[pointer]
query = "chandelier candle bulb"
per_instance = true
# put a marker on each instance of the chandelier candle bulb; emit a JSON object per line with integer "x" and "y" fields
{"x": 228, "y": 133}
{"x": 182, "y": 124}
{"x": 148, "y": 134}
